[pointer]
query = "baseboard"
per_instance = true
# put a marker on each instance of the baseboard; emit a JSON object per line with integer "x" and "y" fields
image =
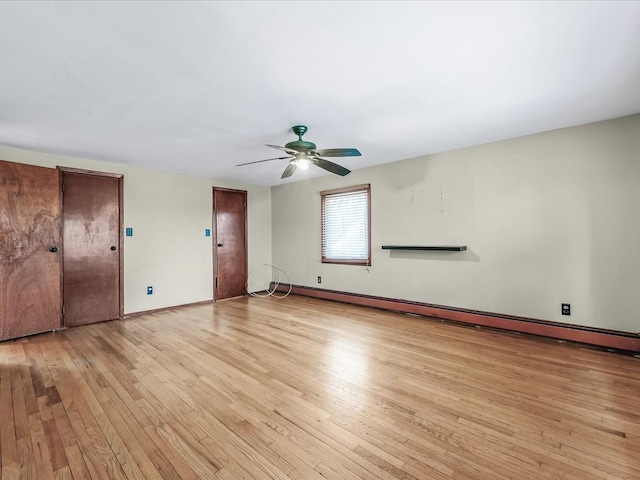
{"x": 164, "y": 309}
{"x": 627, "y": 341}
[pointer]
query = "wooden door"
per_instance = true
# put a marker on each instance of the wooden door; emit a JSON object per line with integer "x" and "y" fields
{"x": 30, "y": 300}
{"x": 230, "y": 243}
{"x": 91, "y": 239}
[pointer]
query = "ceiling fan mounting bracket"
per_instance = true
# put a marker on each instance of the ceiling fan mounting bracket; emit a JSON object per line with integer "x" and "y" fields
{"x": 299, "y": 130}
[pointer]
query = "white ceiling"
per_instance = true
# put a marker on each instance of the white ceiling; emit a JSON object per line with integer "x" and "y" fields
{"x": 197, "y": 87}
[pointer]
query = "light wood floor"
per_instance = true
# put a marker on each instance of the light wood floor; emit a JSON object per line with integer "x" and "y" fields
{"x": 309, "y": 389}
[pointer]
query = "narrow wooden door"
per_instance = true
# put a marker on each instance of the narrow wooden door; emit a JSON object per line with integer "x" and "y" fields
{"x": 230, "y": 243}
{"x": 30, "y": 300}
{"x": 91, "y": 239}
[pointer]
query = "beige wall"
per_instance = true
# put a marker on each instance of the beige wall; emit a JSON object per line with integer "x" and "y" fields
{"x": 547, "y": 218}
{"x": 169, "y": 214}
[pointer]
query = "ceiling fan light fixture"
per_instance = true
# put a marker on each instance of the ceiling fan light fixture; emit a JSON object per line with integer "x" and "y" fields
{"x": 302, "y": 162}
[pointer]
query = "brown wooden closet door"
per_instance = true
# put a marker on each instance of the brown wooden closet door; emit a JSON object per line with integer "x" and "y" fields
{"x": 29, "y": 230}
{"x": 91, "y": 260}
{"x": 230, "y": 243}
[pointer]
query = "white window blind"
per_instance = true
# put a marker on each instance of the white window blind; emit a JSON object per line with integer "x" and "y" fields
{"x": 345, "y": 226}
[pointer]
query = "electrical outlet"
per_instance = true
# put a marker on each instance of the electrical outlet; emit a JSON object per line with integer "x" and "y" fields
{"x": 149, "y": 290}
{"x": 319, "y": 279}
{"x": 566, "y": 309}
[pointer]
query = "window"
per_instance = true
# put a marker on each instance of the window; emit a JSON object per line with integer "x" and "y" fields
{"x": 346, "y": 225}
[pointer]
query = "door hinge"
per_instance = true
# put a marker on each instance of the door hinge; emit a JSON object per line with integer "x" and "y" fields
{"x": 63, "y": 187}
{"x": 62, "y": 313}
{"x": 216, "y": 282}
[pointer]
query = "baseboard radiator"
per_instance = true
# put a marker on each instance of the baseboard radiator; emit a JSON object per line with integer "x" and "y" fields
{"x": 629, "y": 342}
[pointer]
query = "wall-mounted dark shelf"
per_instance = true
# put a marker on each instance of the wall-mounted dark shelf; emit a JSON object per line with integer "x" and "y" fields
{"x": 447, "y": 248}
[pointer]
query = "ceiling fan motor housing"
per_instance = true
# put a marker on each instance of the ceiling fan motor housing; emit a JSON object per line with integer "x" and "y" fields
{"x": 300, "y": 145}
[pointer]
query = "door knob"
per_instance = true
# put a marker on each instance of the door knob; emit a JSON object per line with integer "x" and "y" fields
{"x": 113, "y": 248}
{"x": 219, "y": 244}
{"x": 53, "y": 249}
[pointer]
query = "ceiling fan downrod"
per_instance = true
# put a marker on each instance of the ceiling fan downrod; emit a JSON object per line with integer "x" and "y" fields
{"x": 299, "y": 130}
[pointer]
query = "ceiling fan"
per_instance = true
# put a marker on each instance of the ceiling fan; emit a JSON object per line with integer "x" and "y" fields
{"x": 303, "y": 153}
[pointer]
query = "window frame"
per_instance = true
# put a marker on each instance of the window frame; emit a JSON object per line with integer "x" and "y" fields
{"x": 366, "y": 187}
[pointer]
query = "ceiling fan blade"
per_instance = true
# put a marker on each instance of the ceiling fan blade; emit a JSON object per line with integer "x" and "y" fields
{"x": 289, "y": 170}
{"x": 330, "y": 166}
{"x": 284, "y": 149}
{"x": 338, "y": 152}
{"x": 260, "y": 161}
